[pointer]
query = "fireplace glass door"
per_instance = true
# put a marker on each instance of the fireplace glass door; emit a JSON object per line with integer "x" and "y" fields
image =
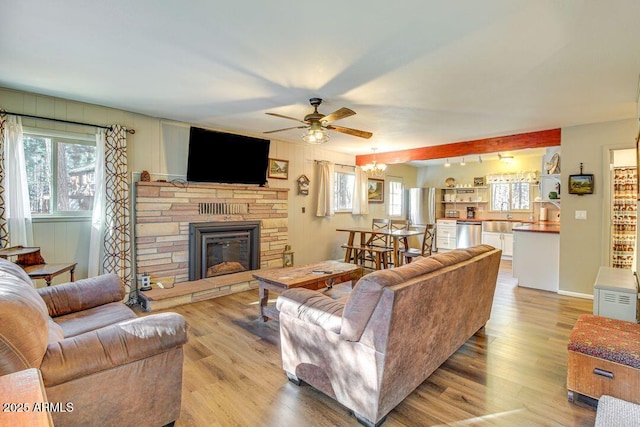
{"x": 225, "y": 253}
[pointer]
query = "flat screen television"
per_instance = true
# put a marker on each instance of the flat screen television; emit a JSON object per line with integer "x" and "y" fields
{"x": 226, "y": 158}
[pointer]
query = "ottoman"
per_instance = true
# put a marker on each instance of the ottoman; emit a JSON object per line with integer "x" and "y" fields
{"x": 604, "y": 359}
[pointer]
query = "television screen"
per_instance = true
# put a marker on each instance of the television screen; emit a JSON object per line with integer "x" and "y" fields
{"x": 226, "y": 158}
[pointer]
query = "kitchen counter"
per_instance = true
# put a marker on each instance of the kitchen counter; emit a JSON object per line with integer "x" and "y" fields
{"x": 539, "y": 227}
{"x": 536, "y": 256}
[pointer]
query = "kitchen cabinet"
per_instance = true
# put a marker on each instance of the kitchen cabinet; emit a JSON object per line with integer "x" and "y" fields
{"x": 455, "y": 198}
{"x": 446, "y": 234}
{"x": 503, "y": 241}
{"x": 464, "y": 195}
{"x": 550, "y": 183}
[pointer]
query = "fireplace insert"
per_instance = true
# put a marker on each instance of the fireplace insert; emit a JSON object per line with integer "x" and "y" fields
{"x": 218, "y": 248}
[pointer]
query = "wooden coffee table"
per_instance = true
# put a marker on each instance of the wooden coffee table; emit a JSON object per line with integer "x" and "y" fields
{"x": 313, "y": 276}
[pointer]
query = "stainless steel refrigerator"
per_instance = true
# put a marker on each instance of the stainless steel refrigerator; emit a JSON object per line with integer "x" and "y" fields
{"x": 423, "y": 205}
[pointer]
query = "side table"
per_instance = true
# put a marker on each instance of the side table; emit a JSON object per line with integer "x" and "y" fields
{"x": 22, "y": 396}
{"x": 30, "y": 259}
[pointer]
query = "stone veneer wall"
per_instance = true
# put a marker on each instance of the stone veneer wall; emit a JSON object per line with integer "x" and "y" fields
{"x": 164, "y": 210}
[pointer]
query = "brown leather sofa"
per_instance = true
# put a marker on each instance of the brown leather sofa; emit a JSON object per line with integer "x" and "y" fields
{"x": 396, "y": 327}
{"x": 93, "y": 351}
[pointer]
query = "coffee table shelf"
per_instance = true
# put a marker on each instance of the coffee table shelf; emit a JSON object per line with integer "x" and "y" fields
{"x": 321, "y": 275}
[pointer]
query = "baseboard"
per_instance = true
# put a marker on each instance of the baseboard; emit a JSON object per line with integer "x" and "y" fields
{"x": 575, "y": 295}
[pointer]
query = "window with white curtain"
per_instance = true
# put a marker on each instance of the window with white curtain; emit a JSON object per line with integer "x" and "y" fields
{"x": 395, "y": 199}
{"x": 511, "y": 191}
{"x": 343, "y": 191}
{"x": 510, "y": 196}
{"x": 60, "y": 172}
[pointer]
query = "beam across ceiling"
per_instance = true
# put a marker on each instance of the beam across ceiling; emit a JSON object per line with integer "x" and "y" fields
{"x": 545, "y": 138}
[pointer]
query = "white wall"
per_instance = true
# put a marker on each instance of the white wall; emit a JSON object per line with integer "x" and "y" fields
{"x": 581, "y": 242}
{"x": 156, "y": 149}
{"x": 314, "y": 238}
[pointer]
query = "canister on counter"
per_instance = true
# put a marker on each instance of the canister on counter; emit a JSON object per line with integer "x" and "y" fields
{"x": 543, "y": 214}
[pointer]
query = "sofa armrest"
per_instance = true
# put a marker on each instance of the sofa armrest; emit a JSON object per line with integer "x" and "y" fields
{"x": 112, "y": 346}
{"x": 82, "y": 294}
{"x": 312, "y": 307}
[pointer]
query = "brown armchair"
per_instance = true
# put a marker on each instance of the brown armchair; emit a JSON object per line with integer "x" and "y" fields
{"x": 93, "y": 351}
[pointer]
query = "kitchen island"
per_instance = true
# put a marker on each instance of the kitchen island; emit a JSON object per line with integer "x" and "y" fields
{"x": 536, "y": 255}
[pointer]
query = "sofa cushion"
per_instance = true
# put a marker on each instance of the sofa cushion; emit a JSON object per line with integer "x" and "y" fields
{"x": 82, "y": 294}
{"x": 367, "y": 292}
{"x": 477, "y": 250}
{"x": 312, "y": 307}
{"x": 452, "y": 257}
{"x": 9, "y": 268}
{"x": 94, "y": 318}
{"x": 55, "y": 332}
{"x": 25, "y": 331}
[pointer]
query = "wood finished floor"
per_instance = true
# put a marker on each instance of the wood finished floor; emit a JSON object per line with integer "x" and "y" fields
{"x": 512, "y": 373}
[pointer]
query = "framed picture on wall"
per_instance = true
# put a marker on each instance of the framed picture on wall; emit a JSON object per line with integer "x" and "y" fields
{"x": 278, "y": 169}
{"x": 581, "y": 184}
{"x": 375, "y": 190}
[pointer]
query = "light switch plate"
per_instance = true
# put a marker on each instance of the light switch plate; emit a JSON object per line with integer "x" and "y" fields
{"x": 581, "y": 215}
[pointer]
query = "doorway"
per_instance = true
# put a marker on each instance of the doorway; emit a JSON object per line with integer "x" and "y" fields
{"x": 623, "y": 209}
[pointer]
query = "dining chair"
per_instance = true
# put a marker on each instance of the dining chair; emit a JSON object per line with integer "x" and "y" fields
{"x": 398, "y": 225}
{"x": 377, "y": 248}
{"x": 426, "y": 244}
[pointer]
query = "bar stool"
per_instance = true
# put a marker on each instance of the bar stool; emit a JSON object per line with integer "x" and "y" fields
{"x": 426, "y": 246}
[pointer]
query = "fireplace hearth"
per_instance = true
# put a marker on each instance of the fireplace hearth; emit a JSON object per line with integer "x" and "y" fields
{"x": 223, "y": 247}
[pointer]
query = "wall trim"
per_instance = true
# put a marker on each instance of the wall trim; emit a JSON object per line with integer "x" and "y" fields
{"x": 575, "y": 295}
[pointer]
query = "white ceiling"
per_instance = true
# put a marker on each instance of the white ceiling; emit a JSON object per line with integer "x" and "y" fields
{"x": 417, "y": 72}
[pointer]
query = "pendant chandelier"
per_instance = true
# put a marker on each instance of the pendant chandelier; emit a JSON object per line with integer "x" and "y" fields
{"x": 374, "y": 168}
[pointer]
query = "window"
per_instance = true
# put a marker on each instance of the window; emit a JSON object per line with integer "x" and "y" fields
{"x": 511, "y": 196}
{"x": 396, "y": 190}
{"x": 343, "y": 191}
{"x": 60, "y": 173}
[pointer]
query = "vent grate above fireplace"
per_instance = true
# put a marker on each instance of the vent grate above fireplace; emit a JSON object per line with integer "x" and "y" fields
{"x": 215, "y": 208}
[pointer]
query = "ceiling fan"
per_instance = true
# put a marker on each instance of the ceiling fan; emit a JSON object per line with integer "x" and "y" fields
{"x": 317, "y": 124}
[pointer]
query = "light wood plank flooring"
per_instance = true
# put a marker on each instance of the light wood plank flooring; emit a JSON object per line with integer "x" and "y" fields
{"x": 512, "y": 373}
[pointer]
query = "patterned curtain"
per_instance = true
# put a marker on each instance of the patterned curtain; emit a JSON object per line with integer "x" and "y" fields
{"x": 4, "y": 231}
{"x": 625, "y": 191}
{"x": 117, "y": 238}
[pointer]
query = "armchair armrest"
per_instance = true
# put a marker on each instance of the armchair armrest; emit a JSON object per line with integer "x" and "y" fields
{"x": 112, "y": 346}
{"x": 312, "y": 307}
{"x": 82, "y": 294}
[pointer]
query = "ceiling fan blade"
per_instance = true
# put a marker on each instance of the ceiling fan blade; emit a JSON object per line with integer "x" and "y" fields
{"x": 349, "y": 131}
{"x": 338, "y": 114}
{"x": 280, "y": 130}
{"x": 286, "y": 117}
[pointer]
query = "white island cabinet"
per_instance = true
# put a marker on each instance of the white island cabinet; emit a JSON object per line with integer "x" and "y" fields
{"x": 503, "y": 241}
{"x": 536, "y": 256}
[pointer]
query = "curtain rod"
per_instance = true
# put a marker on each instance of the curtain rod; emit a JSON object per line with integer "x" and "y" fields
{"x": 337, "y": 164}
{"x": 131, "y": 131}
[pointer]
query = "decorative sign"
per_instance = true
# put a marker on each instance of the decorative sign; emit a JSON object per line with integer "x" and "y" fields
{"x": 303, "y": 185}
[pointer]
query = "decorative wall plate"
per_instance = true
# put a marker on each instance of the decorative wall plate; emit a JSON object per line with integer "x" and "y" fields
{"x": 450, "y": 182}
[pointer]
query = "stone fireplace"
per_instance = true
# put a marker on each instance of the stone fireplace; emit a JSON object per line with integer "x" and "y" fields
{"x": 218, "y": 248}
{"x": 165, "y": 213}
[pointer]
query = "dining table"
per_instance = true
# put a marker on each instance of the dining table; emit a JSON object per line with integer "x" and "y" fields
{"x": 365, "y": 234}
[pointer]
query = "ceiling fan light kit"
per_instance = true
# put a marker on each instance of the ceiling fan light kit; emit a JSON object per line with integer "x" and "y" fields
{"x": 318, "y": 124}
{"x": 315, "y": 134}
